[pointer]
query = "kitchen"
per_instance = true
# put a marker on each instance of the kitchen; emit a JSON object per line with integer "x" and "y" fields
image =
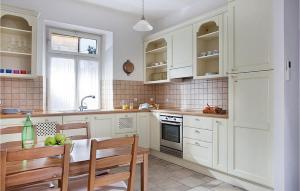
{"x": 157, "y": 84}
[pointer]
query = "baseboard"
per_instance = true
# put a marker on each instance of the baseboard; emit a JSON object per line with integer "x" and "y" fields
{"x": 211, "y": 173}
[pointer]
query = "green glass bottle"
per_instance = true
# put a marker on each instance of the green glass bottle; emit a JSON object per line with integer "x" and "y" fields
{"x": 28, "y": 133}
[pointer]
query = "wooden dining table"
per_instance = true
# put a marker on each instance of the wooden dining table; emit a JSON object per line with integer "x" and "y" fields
{"x": 79, "y": 163}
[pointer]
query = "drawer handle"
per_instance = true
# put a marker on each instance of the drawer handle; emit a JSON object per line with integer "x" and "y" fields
{"x": 218, "y": 122}
{"x": 197, "y": 131}
{"x": 199, "y": 145}
{"x": 197, "y": 119}
{"x": 196, "y": 143}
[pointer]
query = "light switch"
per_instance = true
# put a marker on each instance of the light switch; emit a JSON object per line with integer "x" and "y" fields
{"x": 288, "y": 68}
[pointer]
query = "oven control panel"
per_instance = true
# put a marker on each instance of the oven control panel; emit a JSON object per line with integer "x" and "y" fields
{"x": 171, "y": 118}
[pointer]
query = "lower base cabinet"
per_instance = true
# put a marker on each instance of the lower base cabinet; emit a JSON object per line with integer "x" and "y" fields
{"x": 143, "y": 129}
{"x": 197, "y": 151}
{"x": 155, "y": 131}
{"x": 220, "y": 145}
{"x": 102, "y": 126}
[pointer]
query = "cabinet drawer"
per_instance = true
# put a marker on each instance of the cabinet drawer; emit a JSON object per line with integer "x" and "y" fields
{"x": 198, "y": 122}
{"x": 199, "y": 134}
{"x": 197, "y": 151}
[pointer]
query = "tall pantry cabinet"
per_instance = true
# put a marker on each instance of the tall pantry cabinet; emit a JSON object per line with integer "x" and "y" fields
{"x": 250, "y": 132}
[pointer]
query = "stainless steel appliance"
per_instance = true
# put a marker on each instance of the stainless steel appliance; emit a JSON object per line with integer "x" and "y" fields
{"x": 171, "y": 134}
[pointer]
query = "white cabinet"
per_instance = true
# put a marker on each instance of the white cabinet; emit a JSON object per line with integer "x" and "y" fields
{"x": 155, "y": 131}
{"x": 209, "y": 52}
{"x": 143, "y": 129}
{"x": 102, "y": 125}
{"x": 220, "y": 144}
{"x": 250, "y": 126}
{"x": 196, "y": 151}
{"x": 197, "y": 140}
{"x": 182, "y": 51}
{"x": 54, "y": 119}
{"x": 250, "y": 35}
{"x": 158, "y": 57}
{"x": 18, "y": 36}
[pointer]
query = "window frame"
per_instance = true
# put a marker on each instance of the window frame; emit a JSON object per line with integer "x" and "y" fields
{"x": 76, "y": 55}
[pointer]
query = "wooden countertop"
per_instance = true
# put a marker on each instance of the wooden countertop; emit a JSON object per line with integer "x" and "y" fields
{"x": 65, "y": 113}
{"x": 191, "y": 112}
{"x": 94, "y": 112}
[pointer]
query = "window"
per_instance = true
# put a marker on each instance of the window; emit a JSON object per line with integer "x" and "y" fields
{"x": 73, "y": 70}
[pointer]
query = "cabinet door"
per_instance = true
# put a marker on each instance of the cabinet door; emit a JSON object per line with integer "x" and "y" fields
{"x": 250, "y": 33}
{"x": 102, "y": 126}
{"x": 220, "y": 145}
{"x": 143, "y": 129}
{"x": 182, "y": 48}
{"x": 155, "y": 131}
{"x": 251, "y": 128}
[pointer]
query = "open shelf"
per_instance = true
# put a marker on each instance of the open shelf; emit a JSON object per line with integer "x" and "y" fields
{"x": 15, "y": 53}
{"x": 209, "y": 35}
{"x": 15, "y": 29}
{"x": 23, "y": 76}
{"x": 208, "y": 57}
{"x": 158, "y": 66}
{"x": 208, "y": 40}
{"x": 157, "y": 50}
{"x": 16, "y": 46}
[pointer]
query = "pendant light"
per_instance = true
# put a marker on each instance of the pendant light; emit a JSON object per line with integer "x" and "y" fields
{"x": 143, "y": 24}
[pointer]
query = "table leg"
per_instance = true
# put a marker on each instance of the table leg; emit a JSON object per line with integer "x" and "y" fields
{"x": 144, "y": 173}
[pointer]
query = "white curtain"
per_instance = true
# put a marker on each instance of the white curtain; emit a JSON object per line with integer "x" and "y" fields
{"x": 61, "y": 84}
{"x": 88, "y": 82}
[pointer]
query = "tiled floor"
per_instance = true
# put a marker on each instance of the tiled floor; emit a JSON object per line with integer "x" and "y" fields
{"x": 165, "y": 176}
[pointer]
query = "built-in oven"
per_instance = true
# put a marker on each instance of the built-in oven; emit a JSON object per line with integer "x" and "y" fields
{"x": 171, "y": 134}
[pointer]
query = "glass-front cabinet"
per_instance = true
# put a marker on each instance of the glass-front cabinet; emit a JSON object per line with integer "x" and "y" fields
{"x": 18, "y": 41}
{"x": 208, "y": 48}
{"x": 157, "y": 58}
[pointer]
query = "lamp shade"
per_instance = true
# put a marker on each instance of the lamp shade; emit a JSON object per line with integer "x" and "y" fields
{"x": 142, "y": 25}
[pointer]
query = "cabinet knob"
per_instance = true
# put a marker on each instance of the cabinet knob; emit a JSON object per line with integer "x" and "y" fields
{"x": 197, "y": 131}
{"x": 197, "y": 119}
{"x": 196, "y": 143}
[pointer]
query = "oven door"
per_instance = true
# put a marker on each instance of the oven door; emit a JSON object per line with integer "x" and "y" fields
{"x": 171, "y": 135}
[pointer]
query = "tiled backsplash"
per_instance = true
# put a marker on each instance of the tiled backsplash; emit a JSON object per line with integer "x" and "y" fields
{"x": 179, "y": 94}
{"x": 22, "y": 93}
{"x": 128, "y": 90}
{"x": 193, "y": 94}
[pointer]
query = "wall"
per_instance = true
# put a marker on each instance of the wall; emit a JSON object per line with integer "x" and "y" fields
{"x": 187, "y": 13}
{"x": 127, "y": 44}
{"x": 291, "y": 135}
{"x": 278, "y": 60}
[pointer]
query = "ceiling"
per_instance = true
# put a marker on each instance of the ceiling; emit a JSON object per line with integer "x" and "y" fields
{"x": 154, "y": 9}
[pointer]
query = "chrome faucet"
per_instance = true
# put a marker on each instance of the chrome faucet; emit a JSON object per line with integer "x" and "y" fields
{"x": 83, "y": 107}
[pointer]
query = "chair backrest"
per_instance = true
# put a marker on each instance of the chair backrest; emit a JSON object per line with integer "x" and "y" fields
{"x": 38, "y": 170}
{"x": 11, "y": 136}
{"x": 69, "y": 127}
{"x": 128, "y": 155}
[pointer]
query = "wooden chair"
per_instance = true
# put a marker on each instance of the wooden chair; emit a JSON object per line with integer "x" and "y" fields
{"x": 12, "y": 136}
{"x": 38, "y": 172}
{"x": 110, "y": 182}
{"x": 73, "y": 126}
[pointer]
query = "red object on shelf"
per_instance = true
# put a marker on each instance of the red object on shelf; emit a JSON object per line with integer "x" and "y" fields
{"x": 23, "y": 71}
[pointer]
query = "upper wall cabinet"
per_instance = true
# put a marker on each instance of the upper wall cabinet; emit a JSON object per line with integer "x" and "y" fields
{"x": 250, "y": 35}
{"x": 182, "y": 51}
{"x": 157, "y": 58}
{"x": 18, "y": 31}
{"x": 208, "y": 48}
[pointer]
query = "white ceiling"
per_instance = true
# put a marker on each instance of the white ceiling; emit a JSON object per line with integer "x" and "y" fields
{"x": 155, "y": 9}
